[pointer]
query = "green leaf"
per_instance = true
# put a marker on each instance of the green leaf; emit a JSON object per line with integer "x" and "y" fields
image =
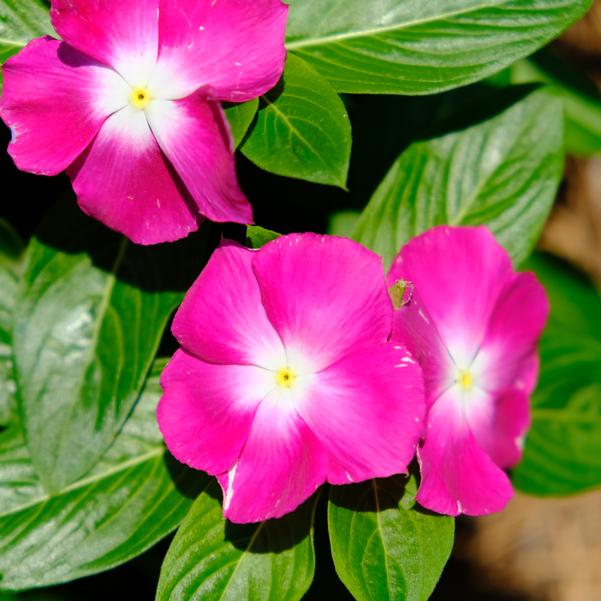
{"x": 503, "y": 172}
{"x": 563, "y": 448}
{"x": 20, "y": 22}
{"x": 383, "y": 545}
{"x": 89, "y": 318}
{"x": 257, "y": 236}
{"x": 212, "y": 559}
{"x": 302, "y": 129}
{"x": 11, "y": 250}
{"x": 343, "y": 223}
{"x": 580, "y": 96}
{"x": 421, "y": 47}
{"x": 134, "y": 496}
{"x": 240, "y": 116}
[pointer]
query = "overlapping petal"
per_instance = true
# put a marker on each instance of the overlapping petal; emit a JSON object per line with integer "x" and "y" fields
{"x": 282, "y": 464}
{"x": 140, "y": 196}
{"x": 367, "y": 410}
{"x": 207, "y": 410}
{"x": 457, "y": 475}
{"x": 324, "y": 295}
{"x": 55, "y": 100}
{"x": 121, "y": 33}
{"x": 459, "y": 274}
{"x": 222, "y": 319}
{"x": 233, "y": 49}
{"x": 195, "y": 137}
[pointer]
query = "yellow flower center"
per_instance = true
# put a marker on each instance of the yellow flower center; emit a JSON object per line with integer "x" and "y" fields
{"x": 285, "y": 378}
{"x": 140, "y": 97}
{"x": 465, "y": 380}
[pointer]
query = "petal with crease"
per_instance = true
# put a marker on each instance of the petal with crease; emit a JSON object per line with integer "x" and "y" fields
{"x": 195, "y": 137}
{"x": 124, "y": 181}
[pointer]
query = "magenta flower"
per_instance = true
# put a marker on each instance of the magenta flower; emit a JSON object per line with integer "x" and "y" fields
{"x": 286, "y": 377}
{"x": 129, "y": 105}
{"x": 473, "y": 324}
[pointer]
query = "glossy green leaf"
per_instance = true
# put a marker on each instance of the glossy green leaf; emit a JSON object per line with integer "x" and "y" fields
{"x": 580, "y": 96}
{"x": 257, "y": 236}
{"x": 132, "y": 498}
{"x": 240, "y": 116}
{"x": 421, "y": 47}
{"x": 89, "y": 318}
{"x": 563, "y": 448}
{"x": 211, "y": 559}
{"x": 20, "y": 22}
{"x": 385, "y": 546}
{"x": 11, "y": 250}
{"x": 503, "y": 172}
{"x": 302, "y": 129}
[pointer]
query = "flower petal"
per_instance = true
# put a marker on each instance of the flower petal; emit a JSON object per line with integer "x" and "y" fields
{"x": 457, "y": 475}
{"x": 324, "y": 295}
{"x": 414, "y": 328}
{"x": 195, "y": 137}
{"x": 516, "y": 323}
{"x": 234, "y": 49}
{"x": 367, "y": 410}
{"x": 501, "y": 431}
{"x": 55, "y": 100}
{"x": 206, "y": 411}
{"x": 459, "y": 273}
{"x": 124, "y": 181}
{"x": 121, "y": 33}
{"x": 222, "y": 319}
{"x": 282, "y": 465}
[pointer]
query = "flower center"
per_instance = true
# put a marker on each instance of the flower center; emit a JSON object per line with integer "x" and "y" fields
{"x": 140, "y": 97}
{"x": 285, "y": 377}
{"x": 465, "y": 380}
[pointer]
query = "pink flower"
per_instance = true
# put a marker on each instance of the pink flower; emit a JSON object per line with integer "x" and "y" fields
{"x": 473, "y": 324}
{"x": 128, "y": 103}
{"x": 286, "y": 377}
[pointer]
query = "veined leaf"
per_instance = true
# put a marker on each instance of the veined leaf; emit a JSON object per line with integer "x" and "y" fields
{"x": 302, "y": 129}
{"x": 421, "y": 47}
{"x": 240, "y": 117}
{"x": 211, "y": 559}
{"x": 20, "y": 22}
{"x": 11, "y": 250}
{"x": 257, "y": 236}
{"x": 89, "y": 318}
{"x": 132, "y": 498}
{"x": 383, "y": 545}
{"x": 563, "y": 448}
{"x": 503, "y": 173}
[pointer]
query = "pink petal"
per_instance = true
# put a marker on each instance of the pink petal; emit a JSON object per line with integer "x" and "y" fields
{"x": 281, "y": 466}
{"x": 324, "y": 295}
{"x": 460, "y": 273}
{"x": 195, "y": 137}
{"x": 516, "y": 323}
{"x": 124, "y": 181}
{"x": 222, "y": 319}
{"x": 368, "y": 411}
{"x": 234, "y": 48}
{"x": 500, "y": 433}
{"x": 120, "y": 33}
{"x": 55, "y": 101}
{"x": 414, "y": 328}
{"x": 457, "y": 475}
{"x": 207, "y": 410}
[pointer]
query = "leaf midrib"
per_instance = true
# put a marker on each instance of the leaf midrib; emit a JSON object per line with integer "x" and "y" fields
{"x": 156, "y": 452}
{"x": 338, "y": 37}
